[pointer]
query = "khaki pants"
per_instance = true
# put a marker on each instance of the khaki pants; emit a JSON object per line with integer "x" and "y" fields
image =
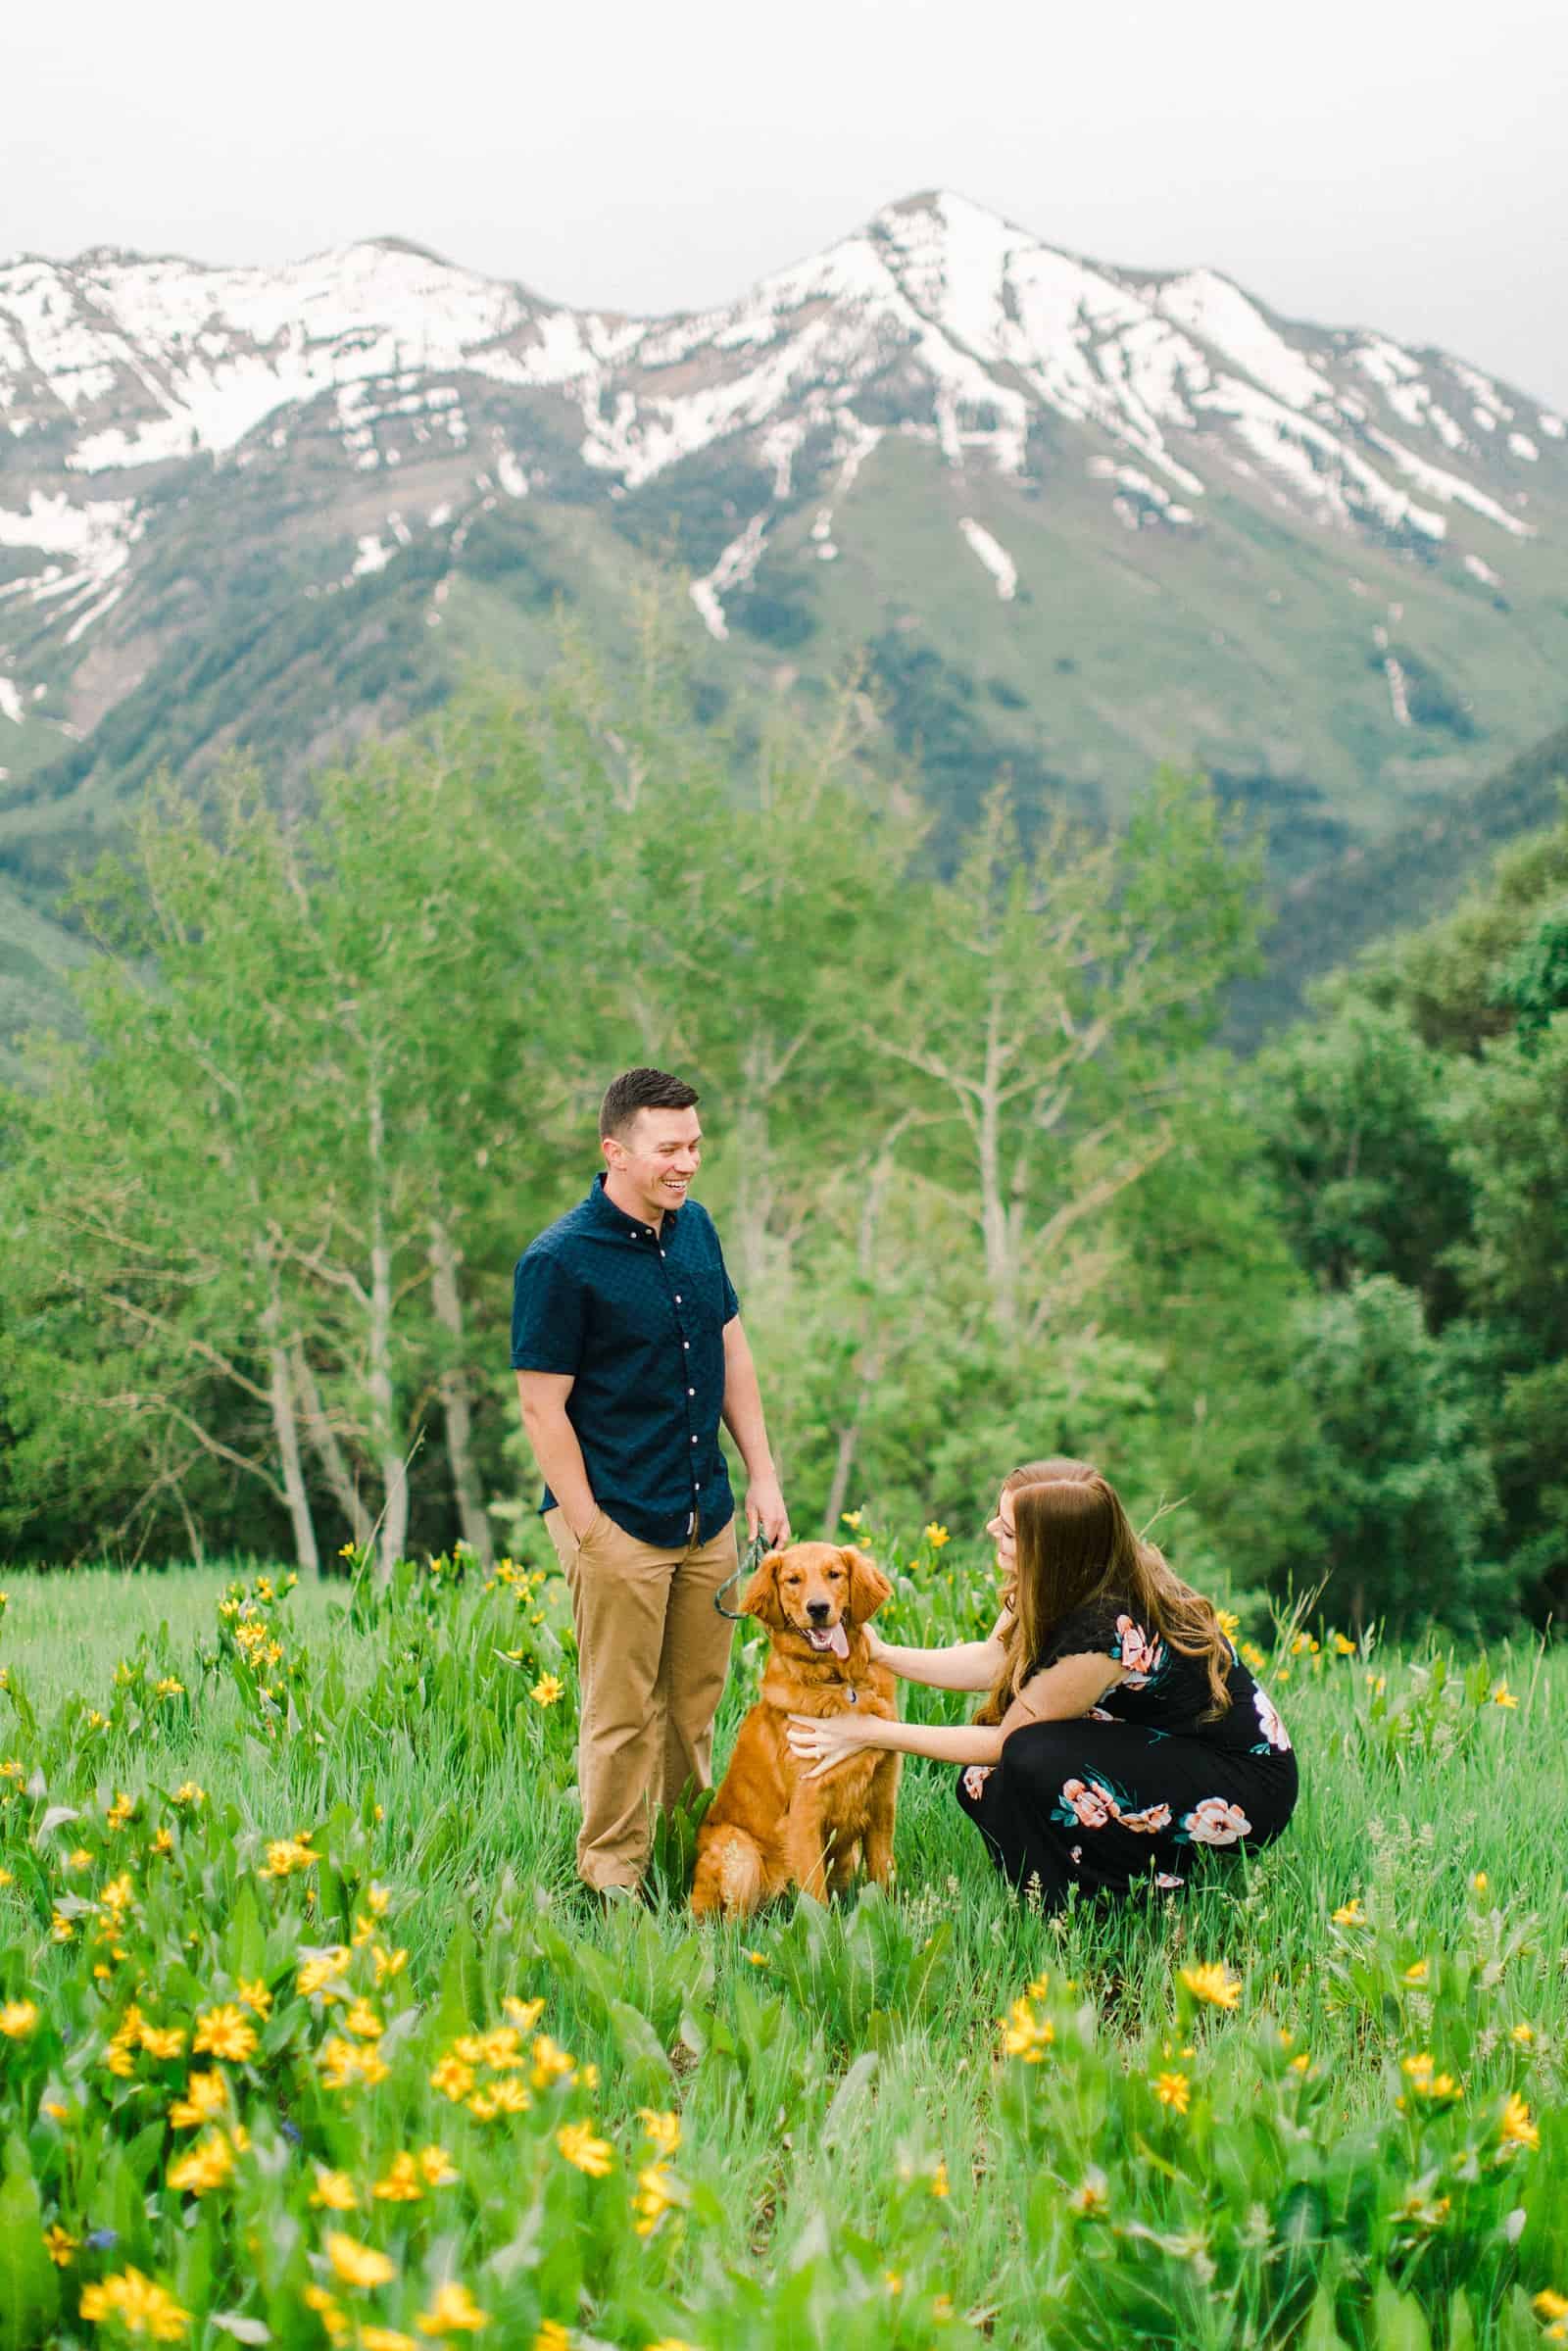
{"x": 652, "y": 1655}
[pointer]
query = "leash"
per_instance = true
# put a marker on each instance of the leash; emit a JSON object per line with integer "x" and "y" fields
{"x": 756, "y": 1554}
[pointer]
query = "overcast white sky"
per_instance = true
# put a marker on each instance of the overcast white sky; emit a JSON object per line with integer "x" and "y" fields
{"x": 1353, "y": 161}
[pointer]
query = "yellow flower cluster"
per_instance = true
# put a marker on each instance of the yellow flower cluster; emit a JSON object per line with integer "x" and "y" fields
{"x": 1213, "y": 1983}
{"x": 141, "y": 2307}
{"x": 1025, "y": 2034}
{"x": 1427, "y": 2081}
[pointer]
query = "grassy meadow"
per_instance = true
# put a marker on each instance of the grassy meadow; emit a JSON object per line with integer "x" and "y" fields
{"x": 306, "y": 2035}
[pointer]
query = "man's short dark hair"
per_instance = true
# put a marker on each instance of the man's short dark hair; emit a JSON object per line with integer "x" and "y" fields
{"x": 641, "y": 1089}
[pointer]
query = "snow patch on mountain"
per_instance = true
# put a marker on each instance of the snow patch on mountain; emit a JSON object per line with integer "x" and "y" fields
{"x": 994, "y": 556}
{"x": 734, "y": 567}
{"x": 10, "y": 702}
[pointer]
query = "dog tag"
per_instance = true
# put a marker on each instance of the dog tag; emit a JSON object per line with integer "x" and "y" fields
{"x": 854, "y": 1697}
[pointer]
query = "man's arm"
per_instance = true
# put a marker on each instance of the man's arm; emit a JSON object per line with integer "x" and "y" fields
{"x": 543, "y": 1396}
{"x": 743, "y": 1417}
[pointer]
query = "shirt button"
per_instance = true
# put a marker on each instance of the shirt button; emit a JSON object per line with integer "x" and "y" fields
{"x": 694, "y": 1440}
{"x": 663, "y": 1253}
{"x": 691, "y": 1392}
{"x": 698, "y": 1487}
{"x": 687, "y": 1344}
{"x": 678, "y": 1298}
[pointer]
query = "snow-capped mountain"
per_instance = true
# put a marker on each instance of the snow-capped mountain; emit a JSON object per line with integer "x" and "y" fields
{"x": 1137, "y": 510}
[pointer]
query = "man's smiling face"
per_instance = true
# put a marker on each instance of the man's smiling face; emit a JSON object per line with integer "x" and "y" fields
{"x": 653, "y": 1163}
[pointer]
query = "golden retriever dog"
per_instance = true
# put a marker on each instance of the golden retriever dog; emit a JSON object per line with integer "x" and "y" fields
{"x": 769, "y": 1827}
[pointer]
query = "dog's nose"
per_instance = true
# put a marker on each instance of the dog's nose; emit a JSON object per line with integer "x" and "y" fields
{"x": 818, "y": 1610}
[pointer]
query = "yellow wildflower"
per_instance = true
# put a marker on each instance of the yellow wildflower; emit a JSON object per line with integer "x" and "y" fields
{"x": 524, "y": 2014}
{"x": 1173, "y": 2089}
{"x": 402, "y": 2184}
{"x": 1418, "y": 1972}
{"x": 330, "y": 2310}
{"x": 550, "y": 2063}
{"x": 333, "y": 2191}
{"x": 1213, "y": 1983}
{"x": 453, "y": 2312}
{"x": 654, "y": 2198}
{"x": 437, "y": 2165}
{"x": 188, "y": 1792}
{"x": 390, "y": 1963}
{"x": 1479, "y": 1881}
{"x": 1026, "y": 2036}
{"x": 1351, "y": 1913}
{"x": 362, "y": 2021}
{"x": 17, "y": 2019}
{"x": 1516, "y": 2130}
{"x": 225, "y": 2031}
{"x": 206, "y": 2094}
{"x": 758, "y": 1958}
{"x": 163, "y": 1843}
{"x": 1523, "y": 2033}
{"x": 1343, "y": 1647}
{"x": 552, "y": 2337}
{"x": 939, "y": 2181}
{"x": 546, "y": 1690}
{"x": 1548, "y": 2304}
{"x": 141, "y": 2306}
{"x": 205, "y": 2167}
{"x": 1230, "y": 1624}
{"x": 853, "y": 1518}
{"x": 321, "y": 1969}
{"x": 59, "y": 2245}
{"x": 169, "y": 1687}
{"x": 345, "y": 2062}
{"x": 256, "y": 1997}
{"x": 1502, "y": 1695}
{"x": 1090, "y": 2201}
{"x": 285, "y": 1855}
{"x": 163, "y": 2041}
{"x": 386, "y": 2338}
{"x": 12, "y": 1768}
{"x": 61, "y": 1929}
{"x": 1301, "y": 2063}
{"x": 936, "y": 1535}
{"x": 122, "y": 1810}
{"x": 1250, "y": 1654}
{"x": 661, "y": 2130}
{"x": 453, "y": 2079}
{"x": 79, "y": 1858}
{"x": 357, "y": 2264}
{"x": 580, "y": 2147}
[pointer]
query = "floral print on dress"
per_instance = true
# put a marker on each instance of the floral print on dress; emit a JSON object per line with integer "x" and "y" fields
{"x": 1089, "y": 1805}
{"x": 1214, "y": 1822}
{"x": 1167, "y": 1881}
{"x": 1274, "y": 1732}
{"x": 1096, "y": 1803}
{"x": 1141, "y": 1653}
{"x": 974, "y": 1780}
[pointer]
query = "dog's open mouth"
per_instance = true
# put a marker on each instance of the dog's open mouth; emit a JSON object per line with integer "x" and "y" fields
{"x": 835, "y": 1640}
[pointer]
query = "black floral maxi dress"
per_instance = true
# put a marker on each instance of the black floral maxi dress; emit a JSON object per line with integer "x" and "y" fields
{"x": 1131, "y": 1789}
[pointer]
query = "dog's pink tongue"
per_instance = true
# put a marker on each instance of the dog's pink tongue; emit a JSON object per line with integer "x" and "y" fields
{"x": 836, "y": 1641}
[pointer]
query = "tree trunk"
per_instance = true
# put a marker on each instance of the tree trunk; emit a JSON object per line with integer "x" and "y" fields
{"x": 328, "y": 1451}
{"x": 447, "y": 1300}
{"x": 378, "y": 1380}
{"x": 286, "y": 1427}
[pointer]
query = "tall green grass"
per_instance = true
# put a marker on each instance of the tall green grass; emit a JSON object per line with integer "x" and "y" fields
{"x": 847, "y": 2115}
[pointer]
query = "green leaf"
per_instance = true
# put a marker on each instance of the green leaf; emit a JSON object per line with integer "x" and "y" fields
{"x": 29, "y": 2291}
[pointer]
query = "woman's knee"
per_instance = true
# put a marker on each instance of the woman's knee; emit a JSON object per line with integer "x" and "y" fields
{"x": 1037, "y": 1757}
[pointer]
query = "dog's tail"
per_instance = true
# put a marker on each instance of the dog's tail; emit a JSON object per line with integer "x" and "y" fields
{"x": 730, "y": 1877}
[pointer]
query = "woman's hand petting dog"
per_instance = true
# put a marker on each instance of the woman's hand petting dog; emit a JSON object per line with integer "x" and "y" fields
{"x": 826, "y": 1739}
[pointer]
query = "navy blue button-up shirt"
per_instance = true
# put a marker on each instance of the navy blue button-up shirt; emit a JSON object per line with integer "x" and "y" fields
{"x": 636, "y": 1316}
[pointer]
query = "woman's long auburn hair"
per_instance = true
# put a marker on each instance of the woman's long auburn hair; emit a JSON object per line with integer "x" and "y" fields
{"x": 1074, "y": 1541}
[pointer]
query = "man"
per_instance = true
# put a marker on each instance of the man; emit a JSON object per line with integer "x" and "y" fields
{"x": 627, "y": 1343}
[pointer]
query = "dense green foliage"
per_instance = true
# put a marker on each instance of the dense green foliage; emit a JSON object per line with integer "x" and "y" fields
{"x": 988, "y": 1187}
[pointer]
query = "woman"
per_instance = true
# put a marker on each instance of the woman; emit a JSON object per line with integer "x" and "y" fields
{"x": 1121, "y": 1729}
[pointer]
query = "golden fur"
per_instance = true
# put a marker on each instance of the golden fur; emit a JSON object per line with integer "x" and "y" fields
{"x": 771, "y": 1827}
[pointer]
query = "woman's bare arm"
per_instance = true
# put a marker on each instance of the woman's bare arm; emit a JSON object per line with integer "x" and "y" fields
{"x": 962, "y": 1665}
{"x": 1059, "y": 1693}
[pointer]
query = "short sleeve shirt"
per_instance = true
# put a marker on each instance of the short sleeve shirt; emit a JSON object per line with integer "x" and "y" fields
{"x": 636, "y": 1316}
{"x": 1163, "y": 1689}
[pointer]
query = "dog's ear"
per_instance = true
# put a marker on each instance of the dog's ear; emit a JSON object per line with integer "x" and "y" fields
{"x": 760, "y": 1596}
{"x": 868, "y": 1586}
